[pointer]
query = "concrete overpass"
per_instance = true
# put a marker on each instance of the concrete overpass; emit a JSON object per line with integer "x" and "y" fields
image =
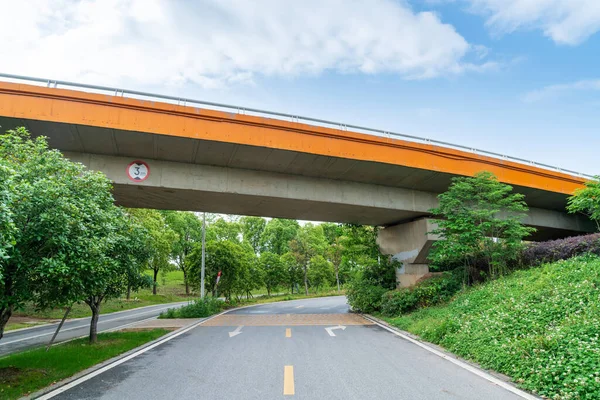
{"x": 244, "y": 161}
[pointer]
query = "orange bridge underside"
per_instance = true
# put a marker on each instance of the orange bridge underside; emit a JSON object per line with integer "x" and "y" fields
{"x": 81, "y": 108}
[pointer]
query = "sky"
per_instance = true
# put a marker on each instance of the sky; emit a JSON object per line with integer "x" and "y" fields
{"x": 517, "y": 77}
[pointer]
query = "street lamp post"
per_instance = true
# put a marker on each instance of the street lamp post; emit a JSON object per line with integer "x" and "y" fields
{"x": 203, "y": 255}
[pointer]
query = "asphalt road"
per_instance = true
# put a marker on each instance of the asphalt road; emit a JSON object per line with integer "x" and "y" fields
{"x": 38, "y": 336}
{"x": 278, "y": 351}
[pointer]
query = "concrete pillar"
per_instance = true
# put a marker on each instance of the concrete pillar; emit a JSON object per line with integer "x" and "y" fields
{"x": 409, "y": 243}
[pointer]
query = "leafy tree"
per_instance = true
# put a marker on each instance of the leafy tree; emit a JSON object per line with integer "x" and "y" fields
{"x": 293, "y": 271}
{"x": 7, "y": 226}
{"x": 309, "y": 241}
{"x": 224, "y": 230}
{"x": 188, "y": 228}
{"x": 160, "y": 241}
{"x": 251, "y": 276}
{"x": 481, "y": 221}
{"x": 273, "y": 271}
{"x": 320, "y": 272}
{"x": 223, "y": 256}
{"x": 587, "y": 201}
{"x": 277, "y": 235}
{"x": 252, "y": 231}
{"x": 335, "y": 252}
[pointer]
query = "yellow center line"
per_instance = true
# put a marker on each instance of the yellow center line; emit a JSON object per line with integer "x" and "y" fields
{"x": 288, "y": 380}
{"x": 288, "y": 332}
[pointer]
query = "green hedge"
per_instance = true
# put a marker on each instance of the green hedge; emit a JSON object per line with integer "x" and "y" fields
{"x": 435, "y": 290}
{"x": 198, "y": 309}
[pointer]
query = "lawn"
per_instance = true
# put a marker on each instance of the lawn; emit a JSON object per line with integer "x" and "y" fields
{"x": 27, "y": 372}
{"x": 540, "y": 326}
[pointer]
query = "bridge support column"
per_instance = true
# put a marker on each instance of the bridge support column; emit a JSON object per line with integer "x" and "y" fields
{"x": 409, "y": 243}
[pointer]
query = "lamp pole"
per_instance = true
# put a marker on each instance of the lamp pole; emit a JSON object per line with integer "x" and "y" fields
{"x": 203, "y": 255}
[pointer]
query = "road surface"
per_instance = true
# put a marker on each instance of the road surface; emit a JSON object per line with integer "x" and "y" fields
{"x": 37, "y": 336}
{"x": 304, "y": 349}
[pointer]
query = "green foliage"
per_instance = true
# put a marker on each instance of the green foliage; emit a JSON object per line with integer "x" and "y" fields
{"x": 197, "y": 309}
{"x": 68, "y": 242}
{"x": 252, "y": 231}
{"x": 587, "y": 201}
{"x": 293, "y": 271}
{"x": 480, "y": 220}
{"x": 539, "y": 326}
{"x": 365, "y": 295}
{"x": 33, "y": 370}
{"x": 309, "y": 241}
{"x": 277, "y": 235}
{"x": 273, "y": 271}
{"x": 159, "y": 243}
{"x": 189, "y": 233}
{"x": 435, "y": 290}
{"x": 320, "y": 272}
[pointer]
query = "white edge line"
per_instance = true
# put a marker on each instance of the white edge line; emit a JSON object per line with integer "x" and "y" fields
{"x": 120, "y": 361}
{"x": 459, "y": 363}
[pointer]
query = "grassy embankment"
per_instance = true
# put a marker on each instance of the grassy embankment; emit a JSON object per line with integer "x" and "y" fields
{"x": 27, "y": 372}
{"x": 539, "y": 326}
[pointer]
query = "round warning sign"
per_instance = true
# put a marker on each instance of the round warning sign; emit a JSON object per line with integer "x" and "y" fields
{"x": 138, "y": 171}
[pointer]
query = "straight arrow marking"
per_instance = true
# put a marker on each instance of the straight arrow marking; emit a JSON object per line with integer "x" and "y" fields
{"x": 331, "y": 328}
{"x": 237, "y": 331}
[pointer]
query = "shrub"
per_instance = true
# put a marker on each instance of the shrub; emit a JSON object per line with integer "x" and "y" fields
{"x": 562, "y": 249}
{"x": 365, "y": 295}
{"x": 198, "y": 309}
{"x": 435, "y": 290}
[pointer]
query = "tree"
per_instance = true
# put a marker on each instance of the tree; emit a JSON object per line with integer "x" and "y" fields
{"x": 160, "y": 241}
{"x": 480, "y": 220}
{"x": 277, "y": 235}
{"x": 587, "y": 201}
{"x": 273, "y": 271}
{"x": 293, "y": 271}
{"x": 320, "y": 272}
{"x": 309, "y": 241}
{"x": 58, "y": 229}
{"x": 221, "y": 256}
{"x": 335, "y": 252}
{"x": 252, "y": 231}
{"x": 188, "y": 228}
{"x": 221, "y": 229}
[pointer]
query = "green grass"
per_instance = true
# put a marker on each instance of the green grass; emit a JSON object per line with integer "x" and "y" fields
{"x": 540, "y": 326}
{"x": 27, "y": 372}
{"x": 170, "y": 290}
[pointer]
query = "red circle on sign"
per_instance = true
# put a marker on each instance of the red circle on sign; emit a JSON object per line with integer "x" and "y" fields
{"x": 138, "y": 171}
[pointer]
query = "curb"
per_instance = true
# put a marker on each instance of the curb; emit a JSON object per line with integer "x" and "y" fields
{"x": 493, "y": 377}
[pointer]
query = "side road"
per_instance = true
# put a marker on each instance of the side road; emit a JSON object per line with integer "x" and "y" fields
{"x": 23, "y": 339}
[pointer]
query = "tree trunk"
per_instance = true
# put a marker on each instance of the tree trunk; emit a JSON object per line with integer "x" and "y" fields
{"x": 187, "y": 285}
{"x": 5, "y": 314}
{"x": 306, "y": 279}
{"x": 268, "y": 292}
{"x": 337, "y": 278}
{"x": 94, "y": 303}
{"x": 155, "y": 277}
{"x": 128, "y": 292}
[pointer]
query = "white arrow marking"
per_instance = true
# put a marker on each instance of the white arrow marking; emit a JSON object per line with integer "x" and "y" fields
{"x": 331, "y": 328}
{"x": 237, "y": 331}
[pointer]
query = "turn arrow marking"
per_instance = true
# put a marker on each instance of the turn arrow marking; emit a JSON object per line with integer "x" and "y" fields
{"x": 237, "y": 331}
{"x": 331, "y": 328}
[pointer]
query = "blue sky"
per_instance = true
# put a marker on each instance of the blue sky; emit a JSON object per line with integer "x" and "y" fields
{"x": 519, "y": 77}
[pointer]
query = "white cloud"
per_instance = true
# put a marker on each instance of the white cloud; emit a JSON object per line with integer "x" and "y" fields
{"x": 567, "y": 22}
{"x": 556, "y": 90}
{"x": 216, "y": 42}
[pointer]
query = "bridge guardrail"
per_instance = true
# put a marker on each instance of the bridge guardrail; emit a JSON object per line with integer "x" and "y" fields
{"x": 294, "y": 118}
